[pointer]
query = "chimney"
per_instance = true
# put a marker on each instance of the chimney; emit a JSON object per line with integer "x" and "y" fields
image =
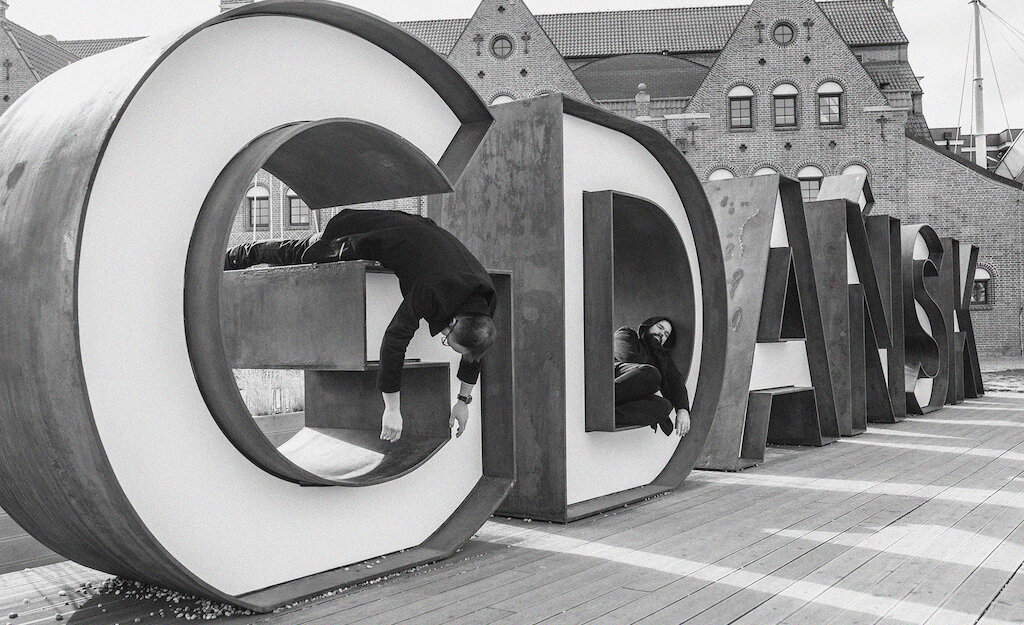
{"x": 643, "y": 101}
{"x": 227, "y": 5}
{"x": 889, "y": 3}
{"x": 3, "y": 9}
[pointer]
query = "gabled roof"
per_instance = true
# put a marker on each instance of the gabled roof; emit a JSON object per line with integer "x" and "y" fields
{"x": 897, "y": 76}
{"x": 677, "y": 30}
{"x": 88, "y": 47}
{"x": 42, "y": 56}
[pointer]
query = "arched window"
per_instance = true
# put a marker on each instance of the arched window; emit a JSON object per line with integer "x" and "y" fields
{"x": 298, "y": 211}
{"x": 981, "y": 294}
{"x": 741, "y": 99}
{"x": 855, "y": 169}
{"x": 810, "y": 182}
{"x": 784, "y": 105}
{"x": 721, "y": 174}
{"x": 259, "y": 208}
{"x": 502, "y": 99}
{"x": 765, "y": 171}
{"x": 830, "y": 104}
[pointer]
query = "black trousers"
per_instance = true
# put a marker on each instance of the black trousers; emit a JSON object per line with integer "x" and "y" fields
{"x": 635, "y": 399}
{"x": 271, "y": 252}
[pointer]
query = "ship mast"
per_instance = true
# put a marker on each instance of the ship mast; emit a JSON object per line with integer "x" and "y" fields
{"x": 980, "y": 138}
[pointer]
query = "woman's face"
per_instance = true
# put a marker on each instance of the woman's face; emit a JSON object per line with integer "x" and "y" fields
{"x": 661, "y": 331}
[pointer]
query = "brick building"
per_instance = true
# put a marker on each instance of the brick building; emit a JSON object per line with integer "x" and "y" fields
{"x": 803, "y": 88}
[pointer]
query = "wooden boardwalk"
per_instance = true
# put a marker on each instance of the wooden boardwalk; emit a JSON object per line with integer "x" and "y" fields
{"x": 919, "y": 522}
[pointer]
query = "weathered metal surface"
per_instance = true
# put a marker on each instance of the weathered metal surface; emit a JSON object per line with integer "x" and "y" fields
{"x": 56, "y": 478}
{"x": 949, "y": 293}
{"x": 507, "y": 211}
{"x": 318, "y": 312}
{"x": 745, "y": 211}
{"x": 776, "y": 295}
{"x": 973, "y": 385}
{"x": 634, "y": 267}
{"x": 598, "y": 305}
{"x": 883, "y": 234}
{"x": 520, "y": 165}
{"x": 379, "y": 165}
{"x": 927, "y": 353}
{"x": 350, "y": 400}
{"x": 817, "y": 234}
{"x": 755, "y": 434}
{"x": 793, "y": 418}
{"x": 713, "y": 281}
{"x": 852, "y": 187}
{"x": 858, "y": 373}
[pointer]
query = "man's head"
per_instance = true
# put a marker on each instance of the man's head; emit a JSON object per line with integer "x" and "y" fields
{"x": 471, "y": 335}
{"x": 660, "y": 330}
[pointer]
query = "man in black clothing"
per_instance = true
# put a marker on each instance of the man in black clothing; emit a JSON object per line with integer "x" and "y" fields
{"x": 643, "y": 367}
{"x": 441, "y": 282}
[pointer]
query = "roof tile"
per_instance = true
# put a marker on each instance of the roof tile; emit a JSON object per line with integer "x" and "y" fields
{"x": 44, "y": 56}
{"x": 682, "y": 29}
{"x": 89, "y": 47}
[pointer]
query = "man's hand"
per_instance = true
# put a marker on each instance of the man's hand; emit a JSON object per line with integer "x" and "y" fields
{"x": 460, "y": 414}
{"x": 682, "y": 422}
{"x": 391, "y": 425}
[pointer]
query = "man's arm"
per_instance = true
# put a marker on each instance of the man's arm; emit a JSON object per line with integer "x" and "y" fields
{"x": 392, "y": 358}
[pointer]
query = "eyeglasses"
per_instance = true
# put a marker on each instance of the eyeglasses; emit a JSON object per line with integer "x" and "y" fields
{"x": 451, "y": 328}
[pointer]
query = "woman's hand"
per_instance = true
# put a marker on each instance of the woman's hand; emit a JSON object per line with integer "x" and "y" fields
{"x": 682, "y": 422}
{"x": 391, "y": 424}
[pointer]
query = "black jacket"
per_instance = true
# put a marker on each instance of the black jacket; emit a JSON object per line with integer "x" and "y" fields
{"x": 438, "y": 276}
{"x": 639, "y": 347}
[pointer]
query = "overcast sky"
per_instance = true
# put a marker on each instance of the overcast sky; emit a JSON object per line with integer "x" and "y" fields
{"x": 938, "y": 31}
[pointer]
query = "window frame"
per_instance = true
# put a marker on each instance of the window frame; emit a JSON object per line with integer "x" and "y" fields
{"x": 792, "y": 33}
{"x": 803, "y": 177}
{"x": 253, "y": 224}
{"x": 749, "y": 101}
{"x": 795, "y": 99}
{"x": 292, "y": 198}
{"x": 986, "y": 284}
{"x": 494, "y": 42}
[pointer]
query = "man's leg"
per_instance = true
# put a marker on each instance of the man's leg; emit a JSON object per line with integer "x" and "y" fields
{"x": 635, "y": 381}
{"x": 652, "y": 410}
{"x": 273, "y": 252}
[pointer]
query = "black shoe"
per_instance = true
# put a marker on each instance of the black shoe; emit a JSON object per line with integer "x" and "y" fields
{"x": 325, "y": 250}
{"x": 666, "y": 425}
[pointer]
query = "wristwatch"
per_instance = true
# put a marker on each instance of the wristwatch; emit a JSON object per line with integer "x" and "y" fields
{"x": 466, "y": 399}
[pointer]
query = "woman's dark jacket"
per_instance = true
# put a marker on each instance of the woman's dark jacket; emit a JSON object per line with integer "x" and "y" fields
{"x": 640, "y": 347}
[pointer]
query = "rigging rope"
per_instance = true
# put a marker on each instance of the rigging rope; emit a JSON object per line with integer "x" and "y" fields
{"x": 963, "y": 88}
{"x": 992, "y": 64}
